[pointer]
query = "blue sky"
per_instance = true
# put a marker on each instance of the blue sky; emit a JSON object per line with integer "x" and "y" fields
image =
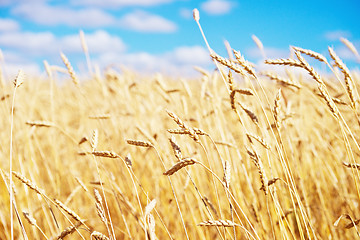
{"x": 161, "y": 36}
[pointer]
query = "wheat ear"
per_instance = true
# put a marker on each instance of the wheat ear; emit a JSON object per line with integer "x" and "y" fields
{"x": 218, "y": 223}
{"x": 70, "y": 69}
{"x": 179, "y": 165}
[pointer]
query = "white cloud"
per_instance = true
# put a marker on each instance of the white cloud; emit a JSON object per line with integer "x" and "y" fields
{"x": 145, "y": 22}
{"x": 193, "y": 55}
{"x": 186, "y": 13}
{"x": 59, "y": 15}
{"x": 43, "y": 43}
{"x": 336, "y": 35}
{"x": 29, "y": 42}
{"x": 119, "y": 3}
{"x": 217, "y": 7}
{"x": 270, "y": 52}
{"x": 7, "y": 25}
{"x": 179, "y": 61}
{"x": 98, "y": 42}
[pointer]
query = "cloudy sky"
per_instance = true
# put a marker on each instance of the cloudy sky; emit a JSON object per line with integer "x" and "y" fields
{"x": 161, "y": 35}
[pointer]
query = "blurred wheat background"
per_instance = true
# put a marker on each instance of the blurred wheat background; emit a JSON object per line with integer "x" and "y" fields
{"x": 264, "y": 150}
{"x": 235, "y": 154}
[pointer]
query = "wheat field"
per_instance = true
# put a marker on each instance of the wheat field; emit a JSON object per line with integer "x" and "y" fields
{"x": 234, "y": 154}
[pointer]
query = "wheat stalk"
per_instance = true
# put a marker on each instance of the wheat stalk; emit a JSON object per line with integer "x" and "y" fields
{"x": 70, "y": 69}
{"x": 68, "y": 210}
{"x": 40, "y": 123}
{"x": 350, "y": 46}
{"x": 94, "y": 139}
{"x": 101, "y": 116}
{"x": 311, "y": 53}
{"x": 277, "y": 109}
{"x": 106, "y": 154}
{"x": 28, "y": 183}
{"x": 98, "y": 236}
{"x": 139, "y": 143}
{"x": 281, "y": 80}
{"x": 245, "y": 64}
{"x": 226, "y": 62}
{"x": 67, "y": 231}
{"x": 218, "y": 223}
{"x": 176, "y": 148}
{"x": 258, "y": 139}
{"x": 286, "y": 62}
{"x": 352, "y": 165}
{"x": 179, "y": 165}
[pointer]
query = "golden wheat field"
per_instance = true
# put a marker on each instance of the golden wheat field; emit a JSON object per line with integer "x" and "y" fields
{"x": 233, "y": 154}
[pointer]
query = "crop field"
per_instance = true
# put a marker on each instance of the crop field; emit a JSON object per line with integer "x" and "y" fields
{"x": 237, "y": 153}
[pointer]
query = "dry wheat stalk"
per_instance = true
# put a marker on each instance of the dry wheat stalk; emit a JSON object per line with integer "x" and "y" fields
{"x": 202, "y": 71}
{"x": 338, "y": 62}
{"x": 128, "y": 160}
{"x": 230, "y": 81}
{"x": 251, "y": 114}
{"x": 277, "y": 109}
{"x": 101, "y": 116}
{"x": 282, "y": 61}
{"x": 227, "y": 174}
{"x": 196, "y": 15}
{"x": 29, "y": 218}
{"x": 67, "y": 231}
{"x": 350, "y": 225}
{"x": 244, "y": 63}
{"x": 177, "y": 120}
{"x": 68, "y": 210}
{"x": 99, "y": 207}
{"x": 4, "y": 97}
{"x": 98, "y": 236}
{"x": 19, "y": 79}
{"x": 187, "y": 131}
{"x": 336, "y": 100}
{"x": 82, "y": 140}
{"x": 179, "y": 165}
{"x": 84, "y": 153}
{"x": 308, "y": 68}
{"x": 209, "y": 203}
{"x": 139, "y": 143}
{"x": 329, "y": 101}
{"x": 258, "y": 139}
{"x": 199, "y": 132}
{"x": 81, "y": 184}
{"x": 351, "y": 165}
{"x": 244, "y": 91}
{"x": 272, "y": 181}
{"x": 258, "y": 163}
{"x": 350, "y": 46}
{"x": 311, "y": 53}
{"x": 225, "y": 144}
{"x": 258, "y": 42}
{"x": 69, "y": 68}
{"x": 181, "y": 124}
{"x": 94, "y": 139}
{"x": 347, "y": 77}
{"x": 40, "y": 123}
{"x": 28, "y": 183}
{"x": 281, "y": 80}
{"x": 107, "y": 154}
{"x": 151, "y": 227}
{"x": 151, "y": 205}
{"x": 83, "y": 42}
{"x": 218, "y": 223}
{"x": 176, "y": 148}
{"x": 226, "y": 62}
